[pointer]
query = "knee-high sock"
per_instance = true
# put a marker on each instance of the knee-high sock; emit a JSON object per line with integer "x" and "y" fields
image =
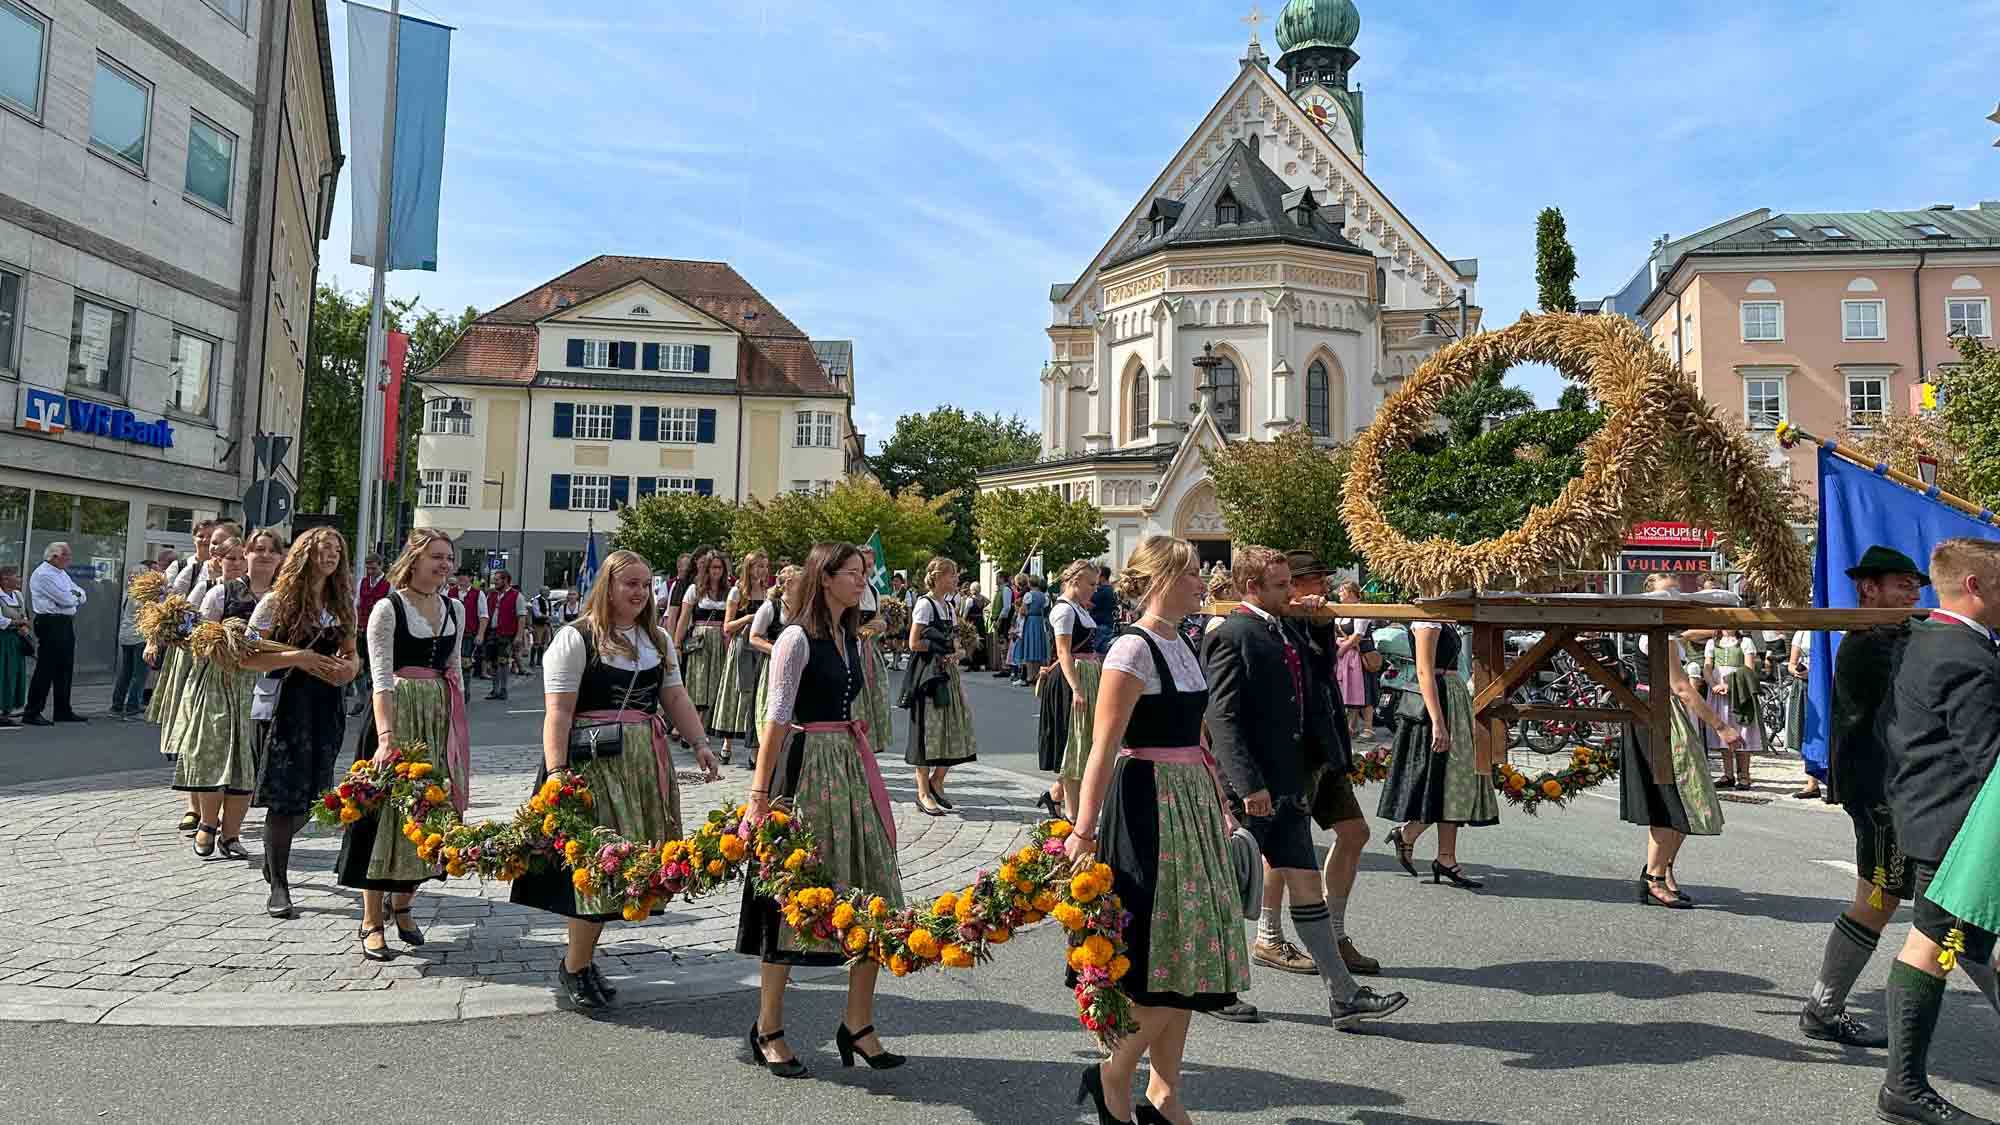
{"x": 1271, "y": 925}
{"x": 1848, "y": 949}
{"x": 1982, "y": 976}
{"x": 1915, "y": 999}
{"x": 1316, "y": 934}
{"x": 1336, "y": 909}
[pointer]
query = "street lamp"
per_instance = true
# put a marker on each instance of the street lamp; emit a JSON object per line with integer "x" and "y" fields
{"x": 1204, "y": 391}
{"x": 499, "y": 509}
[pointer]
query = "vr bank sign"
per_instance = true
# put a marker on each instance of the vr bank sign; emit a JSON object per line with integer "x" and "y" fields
{"x": 49, "y": 412}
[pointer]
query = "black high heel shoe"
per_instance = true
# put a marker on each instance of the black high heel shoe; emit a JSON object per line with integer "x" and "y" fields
{"x": 1092, "y": 1087}
{"x": 1405, "y": 853}
{"x": 845, "y": 1041}
{"x": 790, "y": 1068}
{"x": 368, "y": 951}
{"x": 1048, "y": 804}
{"x": 1455, "y": 875}
{"x": 1673, "y": 885}
{"x": 410, "y": 934}
{"x": 1648, "y": 880}
{"x": 943, "y": 802}
{"x": 1145, "y": 1113}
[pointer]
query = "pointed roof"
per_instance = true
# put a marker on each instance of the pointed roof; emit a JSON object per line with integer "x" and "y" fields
{"x": 1268, "y": 210}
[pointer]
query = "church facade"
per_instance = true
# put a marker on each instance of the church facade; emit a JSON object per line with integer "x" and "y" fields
{"x": 1262, "y": 284}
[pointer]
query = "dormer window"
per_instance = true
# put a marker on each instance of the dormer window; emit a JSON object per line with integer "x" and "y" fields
{"x": 1831, "y": 232}
{"x": 1227, "y": 213}
{"x": 1159, "y": 225}
{"x": 1784, "y": 234}
{"x": 1929, "y": 230}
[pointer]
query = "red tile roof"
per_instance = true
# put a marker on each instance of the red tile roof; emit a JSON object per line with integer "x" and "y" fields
{"x": 777, "y": 357}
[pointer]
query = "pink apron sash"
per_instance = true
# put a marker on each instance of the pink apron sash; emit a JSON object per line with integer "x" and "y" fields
{"x": 457, "y": 744}
{"x": 877, "y": 792}
{"x": 1186, "y": 756}
{"x": 663, "y": 758}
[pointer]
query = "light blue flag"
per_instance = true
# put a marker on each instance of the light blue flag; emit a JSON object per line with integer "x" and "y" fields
{"x": 423, "y": 75}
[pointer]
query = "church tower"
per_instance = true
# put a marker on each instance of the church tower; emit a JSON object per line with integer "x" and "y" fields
{"x": 1316, "y": 45}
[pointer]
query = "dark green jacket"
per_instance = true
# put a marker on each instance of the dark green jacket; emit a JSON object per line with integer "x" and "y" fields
{"x": 1857, "y": 765}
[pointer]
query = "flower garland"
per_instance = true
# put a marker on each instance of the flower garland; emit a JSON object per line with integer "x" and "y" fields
{"x": 780, "y": 856}
{"x": 1373, "y": 766}
{"x": 1589, "y": 766}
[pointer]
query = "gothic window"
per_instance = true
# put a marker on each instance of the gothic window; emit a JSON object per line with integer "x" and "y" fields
{"x": 1236, "y": 313}
{"x": 1256, "y": 311}
{"x": 1317, "y": 401}
{"x": 1227, "y": 213}
{"x": 1204, "y": 312}
{"x": 1228, "y": 399}
{"x": 1142, "y": 404}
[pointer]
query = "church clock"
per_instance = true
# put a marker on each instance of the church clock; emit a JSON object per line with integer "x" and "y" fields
{"x": 1324, "y": 111}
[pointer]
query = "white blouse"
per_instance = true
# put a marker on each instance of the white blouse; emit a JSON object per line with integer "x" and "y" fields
{"x": 564, "y": 663}
{"x": 766, "y": 613}
{"x": 929, "y": 606}
{"x": 1130, "y": 655}
{"x": 382, "y": 635}
{"x": 1064, "y": 617}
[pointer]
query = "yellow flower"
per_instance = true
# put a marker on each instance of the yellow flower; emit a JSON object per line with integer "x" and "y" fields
{"x": 956, "y": 956}
{"x": 1070, "y": 917}
{"x": 434, "y": 841}
{"x": 573, "y": 851}
{"x": 451, "y": 855}
{"x": 1033, "y": 917}
{"x": 1025, "y": 855}
{"x": 1084, "y": 888}
{"x": 584, "y": 798}
{"x": 580, "y": 878}
{"x": 945, "y": 904}
{"x": 968, "y": 907}
{"x": 732, "y": 848}
{"x": 716, "y": 867}
{"x": 778, "y": 818}
{"x": 421, "y": 769}
{"x": 434, "y": 795}
{"x": 1008, "y": 873}
{"x": 878, "y": 907}
{"x": 1102, "y": 873}
{"x": 1552, "y": 788}
{"x": 1097, "y": 950}
{"x": 551, "y": 789}
{"x": 635, "y": 912}
{"x": 1118, "y": 967}
{"x": 900, "y": 965}
{"x": 454, "y": 868}
{"x": 1025, "y": 886}
{"x": 549, "y": 825}
{"x": 1078, "y": 960}
{"x": 672, "y": 851}
{"x": 795, "y": 860}
{"x": 999, "y": 935}
{"x": 358, "y": 765}
{"x": 1044, "y": 902}
{"x": 857, "y": 940}
{"x": 349, "y": 813}
{"x": 923, "y": 944}
{"x": 1059, "y": 829}
{"x": 843, "y": 916}
{"x": 537, "y": 805}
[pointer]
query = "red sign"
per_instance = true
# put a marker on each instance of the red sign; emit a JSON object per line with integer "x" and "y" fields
{"x": 1638, "y": 563}
{"x": 1656, "y": 535}
{"x": 392, "y": 400}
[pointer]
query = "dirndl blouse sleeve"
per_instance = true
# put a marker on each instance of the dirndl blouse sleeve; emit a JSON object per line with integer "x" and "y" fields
{"x": 788, "y": 667}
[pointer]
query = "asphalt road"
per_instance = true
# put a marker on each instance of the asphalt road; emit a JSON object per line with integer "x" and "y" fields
{"x": 1548, "y": 997}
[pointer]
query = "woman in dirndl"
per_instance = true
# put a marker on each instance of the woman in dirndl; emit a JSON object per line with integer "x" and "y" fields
{"x": 1033, "y": 650}
{"x": 1686, "y": 804}
{"x": 1731, "y": 665}
{"x": 1068, "y": 690}
{"x": 816, "y": 757}
{"x": 765, "y": 628}
{"x": 171, "y": 686}
{"x": 418, "y": 696}
{"x": 13, "y": 646}
{"x": 875, "y": 691}
{"x": 698, "y": 629}
{"x": 1151, "y": 808}
{"x": 612, "y": 675}
{"x": 934, "y": 690}
{"x": 304, "y": 721}
{"x": 1433, "y": 770}
{"x": 735, "y": 714}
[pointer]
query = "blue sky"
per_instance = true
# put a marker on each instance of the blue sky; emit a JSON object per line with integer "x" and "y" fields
{"x": 915, "y": 175}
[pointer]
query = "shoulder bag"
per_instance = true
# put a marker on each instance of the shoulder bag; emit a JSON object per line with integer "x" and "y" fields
{"x": 604, "y": 738}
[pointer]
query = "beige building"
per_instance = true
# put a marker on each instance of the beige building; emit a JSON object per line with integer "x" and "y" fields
{"x": 622, "y": 378}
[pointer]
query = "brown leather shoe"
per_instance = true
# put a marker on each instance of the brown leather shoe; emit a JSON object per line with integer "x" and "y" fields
{"x": 1358, "y": 963}
{"x": 1285, "y": 957}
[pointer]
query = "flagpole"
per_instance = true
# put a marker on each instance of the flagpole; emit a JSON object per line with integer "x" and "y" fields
{"x": 1789, "y": 435}
{"x": 372, "y": 376}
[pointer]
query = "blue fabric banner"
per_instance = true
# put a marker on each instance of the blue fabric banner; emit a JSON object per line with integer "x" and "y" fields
{"x": 1859, "y": 509}
{"x": 423, "y": 76}
{"x": 587, "y": 576}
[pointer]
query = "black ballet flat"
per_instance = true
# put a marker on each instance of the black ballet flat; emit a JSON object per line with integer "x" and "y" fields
{"x": 1455, "y": 875}
{"x": 579, "y": 989}
{"x": 943, "y": 802}
{"x": 279, "y": 902}
{"x": 214, "y": 832}
{"x": 845, "y": 1041}
{"x": 790, "y": 1068}
{"x": 926, "y": 809}
{"x": 1092, "y": 1087}
{"x": 597, "y": 980}
{"x": 1405, "y": 852}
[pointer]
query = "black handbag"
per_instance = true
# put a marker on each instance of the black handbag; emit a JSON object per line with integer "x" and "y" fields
{"x": 603, "y": 738}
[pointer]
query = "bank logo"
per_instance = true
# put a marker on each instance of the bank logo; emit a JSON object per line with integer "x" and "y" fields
{"x": 44, "y": 411}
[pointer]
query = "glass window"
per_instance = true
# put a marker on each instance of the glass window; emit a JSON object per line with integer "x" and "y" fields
{"x": 13, "y": 528}
{"x": 1783, "y": 234}
{"x": 211, "y": 166}
{"x": 161, "y": 517}
{"x": 98, "y": 533}
{"x": 97, "y": 346}
{"x": 232, "y": 10}
{"x": 1763, "y": 320}
{"x": 194, "y": 371}
{"x": 1867, "y": 397}
{"x": 120, "y": 108}
{"x": 1962, "y": 318}
{"x": 1764, "y": 403}
{"x": 597, "y": 353}
{"x": 589, "y": 492}
{"x": 680, "y": 424}
{"x": 1318, "y": 401}
{"x": 1861, "y": 320}
{"x": 1831, "y": 232}
{"x": 593, "y": 422}
{"x": 677, "y": 357}
{"x": 802, "y": 486}
{"x": 10, "y": 317}
{"x": 435, "y": 421}
{"x": 24, "y": 38}
{"x": 1929, "y": 230}
{"x": 815, "y": 429}
{"x": 560, "y": 567}
{"x": 1228, "y": 398}
{"x": 1142, "y": 405}
{"x": 1226, "y": 211}
{"x": 674, "y": 484}
{"x": 447, "y": 488}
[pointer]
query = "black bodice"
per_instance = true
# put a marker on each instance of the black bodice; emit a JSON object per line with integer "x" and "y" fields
{"x": 703, "y": 615}
{"x": 777, "y": 623}
{"x": 1079, "y": 634}
{"x": 412, "y": 651}
{"x": 1447, "y": 650}
{"x": 604, "y": 687}
{"x": 1172, "y": 717}
{"x": 237, "y": 600}
{"x": 829, "y": 685}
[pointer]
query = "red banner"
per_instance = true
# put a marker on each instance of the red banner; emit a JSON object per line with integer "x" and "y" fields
{"x": 397, "y": 354}
{"x": 1658, "y": 535}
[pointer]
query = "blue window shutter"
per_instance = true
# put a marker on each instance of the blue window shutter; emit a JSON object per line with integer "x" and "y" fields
{"x": 628, "y": 354}
{"x": 621, "y": 491}
{"x": 565, "y": 419}
{"x": 621, "y": 422}
{"x": 704, "y": 486}
{"x": 705, "y": 427}
{"x": 576, "y": 353}
{"x": 559, "y": 492}
{"x": 701, "y": 357}
{"x": 647, "y": 485}
{"x": 649, "y": 422}
{"x": 651, "y": 360}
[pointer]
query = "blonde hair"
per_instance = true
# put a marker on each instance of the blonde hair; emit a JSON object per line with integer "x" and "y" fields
{"x": 1350, "y": 584}
{"x": 1955, "y": 560}
{"x": 597, "y": 610}
{"x": 413, "y": 552}
{"x": 1074, "y": 570}
{"x": 1158, "y": 560}
{"x": 1220, "y": 584}
{"x": 743, "y": 571}
{"x": 935, "y": 569}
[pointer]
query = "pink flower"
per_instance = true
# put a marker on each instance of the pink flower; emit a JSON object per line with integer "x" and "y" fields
{"x": 1052, "y": 847}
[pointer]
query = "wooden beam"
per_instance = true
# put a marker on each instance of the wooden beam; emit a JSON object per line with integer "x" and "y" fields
{"x": 1607, "y": 679}
{"x": 1489, "y": 735}
{"x": 1792, "y": 620}
{"x": 1518, "y": 672}
{"x": 1660, "y": 696}
{"x": 1525, "y": 712}
{"x": 1608, "y": 615}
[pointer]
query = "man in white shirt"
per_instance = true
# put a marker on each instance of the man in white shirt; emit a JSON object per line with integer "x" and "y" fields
{"x": 53, "y": 598}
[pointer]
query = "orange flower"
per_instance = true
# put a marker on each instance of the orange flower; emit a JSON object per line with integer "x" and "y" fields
{"x": 349, "y": 812}
{"x": 1552, "y": 788}
{"x": 843, "y": 916}
{"x": 1070, "y": 917}
{"x": 1084, "y": 888}
{"x": 1078, "y": 960}
{"x": 946, "y": 903}
{"x": 1059, "y": 829}
{"x": 778, "y": 818}
{"x": 434, "y": 795}
{"x": 635, "y": 912}
{"x": 1118, "y": 967}
{"x": 857, "y": 940}
{"x": 900, "y": 965}
{"x": 716, "y": 867}
{"x": 878, "y": 907}
{"x": 923, "y": 944}
{"x": 795, "y": 860}
{"x": 956, "y": 956}
{"x": 580, "y": 878}
{"x": 1097, "y": 950}
{"x": 1044, "y": 902}
{"x": 999, "y": 935}
{"x": 732, "y": 848}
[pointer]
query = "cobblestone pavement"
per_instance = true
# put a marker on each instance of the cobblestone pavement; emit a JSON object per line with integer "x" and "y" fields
{"x": 110, "y": 918}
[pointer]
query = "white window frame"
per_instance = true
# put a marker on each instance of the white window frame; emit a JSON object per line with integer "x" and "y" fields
{"x": 590, "y": 492}
{"x": 104, "y": 62}
{"x": 227, "y": 207}
{"x": 802, "y": 486}
{"x": 597, "y": 354}
{"x": 1881, "y": 319}
{"x": 680, "y": 425}
{"x": 10, "y": 330}
{"x": 813, "y": 430}
{"x": 122, "y": 361}
{"x": 677, "y": 358}
{"x": 447, "y": 488}
{"x": 1743, "y": 321}
{"x": 1982, "y": 304}
{"x": 208, "y": 377}
{"x": 435, "y": 422}
{"x": 34, "y": 112}
{"x": 677, "y": 486}
{"x": 1752, "y": 418}
{"x": 222, "y": 9}
{"x": 600, "y": 417}
{"x": 1855, "y": 418}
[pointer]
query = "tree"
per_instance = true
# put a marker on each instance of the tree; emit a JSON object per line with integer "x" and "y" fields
{"x": 664, "y": 526}
{"x": 1468, "y": 490}
{"x": 1283, "y": 494}
{"x": 942, "y": 454}
{"x": 1897, "y": 440}
{"x": 1015, "y": 524}
{"x": 913, "y": 527}
{"x": 1555, "y": 262}
{"x": 1467, "y": 409}
{"x": 1969, "y": 411}
{"x": 1576, "y": 396}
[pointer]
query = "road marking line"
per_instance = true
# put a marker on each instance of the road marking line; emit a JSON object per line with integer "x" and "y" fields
{"x": 1846, "y": 865}
{"x": 534, "y": 711}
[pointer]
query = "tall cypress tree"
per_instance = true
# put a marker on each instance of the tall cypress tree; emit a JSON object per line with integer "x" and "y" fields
{"x": 1555, "y": 262}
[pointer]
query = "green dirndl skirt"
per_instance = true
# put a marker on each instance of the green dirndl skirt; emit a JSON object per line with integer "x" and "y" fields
{"x": 736, "y": 704}
{"x": 702, "y": 663}
{"x": 942, "y": 735}
{"x": 1082, "y": 720}
{"x": 167, "y": 691}
{"x": 1429, "y": 787}
{"x": 375, "y": 856}
{"x": 625, "y": 795}
{"x": 214, "y": 740}
{"x": 823, "y": 778}
{"x": 1687, "y": 803}
{"x": 13, "y": 671}
{"x": 875, "y": 705}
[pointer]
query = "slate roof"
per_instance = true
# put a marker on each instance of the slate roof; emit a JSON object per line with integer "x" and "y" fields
{"x": 777, "y": 358}
{"x": 1138, "y": 454}
{"x": 1261, "y": 198}
{"x": 1973, "y": 228}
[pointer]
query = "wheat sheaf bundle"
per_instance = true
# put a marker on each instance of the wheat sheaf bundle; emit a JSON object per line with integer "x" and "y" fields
{"x": 146, "y": 587}
{"x": 166, "y": 622}
{"x": 1660, "y": 444}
